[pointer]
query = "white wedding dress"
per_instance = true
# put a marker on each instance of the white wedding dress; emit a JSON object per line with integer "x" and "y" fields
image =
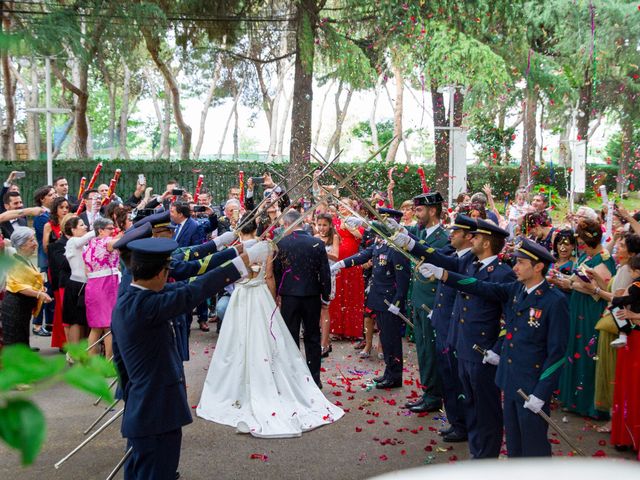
{"x": 258, "y": 381}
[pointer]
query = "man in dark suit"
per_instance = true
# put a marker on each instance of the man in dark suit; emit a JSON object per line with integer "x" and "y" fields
{"x": 61, "y": 186}
{"x": 12, "y": 201}
{"x": 188, "y": 232}
{"x": 301, "y": 270}
{"x": 146, "y": 356}
{"x": 9, "y": 185}
{"x": 532, "y": 350}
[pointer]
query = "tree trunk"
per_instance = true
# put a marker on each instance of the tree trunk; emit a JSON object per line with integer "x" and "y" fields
{"x": 124, "y": 114}
{"x": 441, "y": 140}
{"x": 8, "y": 131}
{"x": 316, "y": 137}
{"x": 584, "y": 106}
{"x": 626, "y": 154}
{"x": 206, "y": 106}
{"x": 65, "y": 133}
{"x": 564, "y": 149}
{"x": 33, "y": 120}
{"x": 397, "y": 115}
{"x": 236, "y": 125}
{"x": 283, "y": 124}
{"x": 165, "y": 133}
{"x": 528, "y": 158}
{"x": 301, "y": 115}
{"x": 341, "y": 114}
{"x": 231, "y": 115}
{"x": 372, "y": 116}
{"x": 153, "y": 47}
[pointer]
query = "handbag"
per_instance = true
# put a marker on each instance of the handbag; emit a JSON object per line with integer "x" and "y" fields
{"x": 607, "y": 323}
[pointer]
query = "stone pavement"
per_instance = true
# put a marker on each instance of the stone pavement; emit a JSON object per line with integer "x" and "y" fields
{"x": 376, "y": 435}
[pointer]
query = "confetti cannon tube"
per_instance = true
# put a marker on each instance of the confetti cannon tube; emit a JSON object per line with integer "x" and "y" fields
{"x": 199, "y": 187}
{"x": 112, "y": 186}
{"x": 92, "y": 182}
{"x": 241, "y": 184}
{"x": 83, "y": 182}
{"x": 423, "y": 181}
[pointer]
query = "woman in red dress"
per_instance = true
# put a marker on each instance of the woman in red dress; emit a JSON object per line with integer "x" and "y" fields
{"x": 625, "y": 414}
{"x": 51, "y": 234}
{"x": 347, "y": 308}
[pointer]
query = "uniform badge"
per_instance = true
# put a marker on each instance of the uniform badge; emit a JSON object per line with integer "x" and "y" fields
{"x": 490, "y": 268}
{"x": 534, "y": 317}
{"x": 382, "y": 259}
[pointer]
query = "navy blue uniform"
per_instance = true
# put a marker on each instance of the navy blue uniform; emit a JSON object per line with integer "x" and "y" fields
{"x": 391, "y": 273}
{"x": 532, "y": 353}
{"x": 446, "y": 361}
{"x": 151, "y": 372}
{"x": 478, "y": 322}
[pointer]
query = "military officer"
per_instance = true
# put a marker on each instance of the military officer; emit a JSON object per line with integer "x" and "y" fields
{"x": 146, "y": 354}
{"x": 478, "y": 323}
{"x": 460, "y": 236}
{"x": 429, "y": 230}
{"x": 390, "y": 281}
{"x": 532, "y": 351}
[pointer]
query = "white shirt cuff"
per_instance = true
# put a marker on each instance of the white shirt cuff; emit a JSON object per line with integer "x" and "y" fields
{"x": 240, "y": 266}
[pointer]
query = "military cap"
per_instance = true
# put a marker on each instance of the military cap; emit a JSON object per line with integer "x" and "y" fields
{"x": 533, "y": 251}
{"x": 156, "y": 220}
{"x": 462, "y": 222}
{"x": 490, "y": 228}
{"x": 133, "y": 233}
{"x": 151, "y": 250}
{"x": 390, "y": 212}
{"x": 428, "y": 199}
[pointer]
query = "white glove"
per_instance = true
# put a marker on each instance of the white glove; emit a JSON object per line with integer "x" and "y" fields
{"x": 395, "y": 226}
{"x": 354, "y": 222}
{"x": 403, "y": 240}
{"x": 259, "y": 252}
{"x": 534, "y": 404}
{"x": 491, "y": 357}
{"x": 336, "y": 267}
{"x": 429, "y": 270}
{"x": 225, "y": 239}
{"x": 394, "y": 309}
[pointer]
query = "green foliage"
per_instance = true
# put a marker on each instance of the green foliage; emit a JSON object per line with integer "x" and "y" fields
{"x": 493, "y": 142}
{"x": 362, "y": 131}
{"x": 22, "y": 372}
{"x": 613, "y": 148}
{"x": 23, "y": 427}
{"x": 550, "y": 192}
{"x": 221, "y": 175}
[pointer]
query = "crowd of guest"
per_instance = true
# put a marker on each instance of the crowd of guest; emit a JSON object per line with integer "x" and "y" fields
{"x": 66, "y": 274}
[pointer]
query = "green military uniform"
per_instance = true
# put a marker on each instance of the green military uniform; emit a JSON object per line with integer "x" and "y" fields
{"x": 423, "y": 292}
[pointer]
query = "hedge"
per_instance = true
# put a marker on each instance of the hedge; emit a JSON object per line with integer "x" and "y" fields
{"x": 221, "y": 175}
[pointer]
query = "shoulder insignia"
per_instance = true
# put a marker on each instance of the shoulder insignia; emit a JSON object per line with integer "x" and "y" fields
{"x": 538, "y": 292}
{"x": 431, "y": 250}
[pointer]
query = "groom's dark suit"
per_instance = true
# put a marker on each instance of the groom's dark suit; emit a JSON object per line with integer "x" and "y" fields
{"x": 303, "y": 280}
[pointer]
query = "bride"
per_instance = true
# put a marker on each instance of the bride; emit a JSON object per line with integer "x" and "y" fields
{"x": 258, "y": 381}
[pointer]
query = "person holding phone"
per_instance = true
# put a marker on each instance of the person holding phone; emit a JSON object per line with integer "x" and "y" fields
{"x": 577, "y": 384}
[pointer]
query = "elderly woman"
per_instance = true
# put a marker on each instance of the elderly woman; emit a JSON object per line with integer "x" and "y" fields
{"x": 25, "y": 292}
{"x": 103, "y": 277}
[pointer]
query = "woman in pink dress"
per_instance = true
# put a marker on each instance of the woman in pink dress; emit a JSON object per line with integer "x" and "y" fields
{"x": 347, "y": 308}
{"x": 103, "y": 277}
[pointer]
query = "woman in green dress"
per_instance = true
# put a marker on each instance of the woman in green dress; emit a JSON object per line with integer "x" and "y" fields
{"x": 577, "y": 383}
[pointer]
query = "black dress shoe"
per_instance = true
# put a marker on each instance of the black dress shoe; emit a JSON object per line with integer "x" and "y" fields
{"x": 389, "y": 384}
{"x": 415, "y": 403}
{"x": 455, "y": 437}
{"x": 379, "y": 379}
{"x": 445, "y": 431}
{"x": 426, "y": 407}
{"x": 324, "y": 353}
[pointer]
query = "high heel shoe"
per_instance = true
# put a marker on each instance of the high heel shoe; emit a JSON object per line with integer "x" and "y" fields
{"x": 325, "y": 351}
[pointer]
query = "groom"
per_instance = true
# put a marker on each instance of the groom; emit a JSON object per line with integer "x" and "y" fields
{"x": 301, "y": 271}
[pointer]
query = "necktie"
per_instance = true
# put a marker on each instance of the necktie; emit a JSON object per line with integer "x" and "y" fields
{"x": 178, "y": 230}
